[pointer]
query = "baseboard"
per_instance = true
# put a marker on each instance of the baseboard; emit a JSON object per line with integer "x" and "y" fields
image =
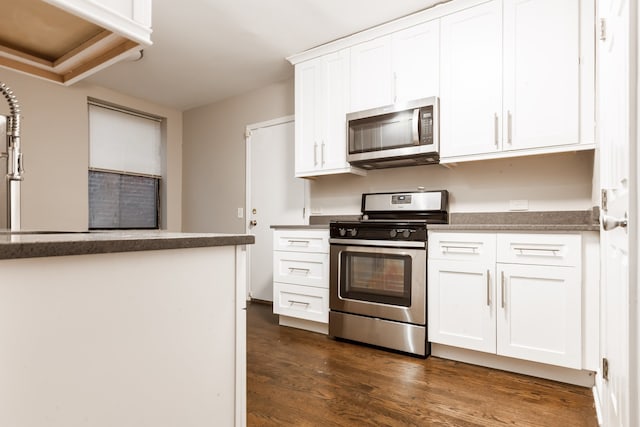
{"x": 293, "y": 322}
{"x": 556, "y": 373}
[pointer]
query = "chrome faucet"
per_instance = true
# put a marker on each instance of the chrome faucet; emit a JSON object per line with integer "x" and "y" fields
{"x": 14, "y": 159}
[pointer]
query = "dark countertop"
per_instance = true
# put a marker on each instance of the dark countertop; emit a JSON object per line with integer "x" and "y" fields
{"x": 522, "y": 221}
{"x": 33, "y": 245}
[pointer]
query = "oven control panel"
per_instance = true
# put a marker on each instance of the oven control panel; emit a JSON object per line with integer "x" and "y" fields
{"x": 371, "y": 230}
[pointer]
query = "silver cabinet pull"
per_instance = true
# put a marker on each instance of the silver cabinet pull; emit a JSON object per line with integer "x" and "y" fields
{"x": 538, "y": 251}
{"x": 322, "y": 154}
{"x": 488, "y": 289}
{"x": 298, "y": 242}
{"x": 315, "y": 153}
{"x": 304, "y": 270}
{"x": 459, "y": 249}
{"x": 502, "y": 288}
{"x": 509, "y": 127}
{"x": 495, "y": 130}
{"x": 292, "y": 301}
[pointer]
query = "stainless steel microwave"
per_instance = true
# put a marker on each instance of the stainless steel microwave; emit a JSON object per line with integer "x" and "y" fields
{"x": 404, "y": 134}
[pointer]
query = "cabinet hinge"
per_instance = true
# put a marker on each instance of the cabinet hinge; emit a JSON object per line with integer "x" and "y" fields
{"x": 605, "y": 368}
{"x": 603, "y": 29}
{"x": 247, "y": 134}
{"x": 604, "y": 200}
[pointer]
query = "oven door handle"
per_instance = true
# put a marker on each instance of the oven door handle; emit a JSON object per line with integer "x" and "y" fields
{"x": 388, "y": 243}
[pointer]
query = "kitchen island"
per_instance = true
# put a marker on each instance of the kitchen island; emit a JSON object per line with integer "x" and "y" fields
{"x": 122, "y": 328}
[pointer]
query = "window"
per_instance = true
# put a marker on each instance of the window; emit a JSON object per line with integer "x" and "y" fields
{"x": 125, "y": 168}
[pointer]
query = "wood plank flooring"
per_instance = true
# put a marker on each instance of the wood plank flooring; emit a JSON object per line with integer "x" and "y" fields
{"x": 299, "y": 378}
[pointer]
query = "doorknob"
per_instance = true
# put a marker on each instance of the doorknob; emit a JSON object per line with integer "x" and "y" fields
{"x": 253, "y": 223}
{"x": 609, "y": 222}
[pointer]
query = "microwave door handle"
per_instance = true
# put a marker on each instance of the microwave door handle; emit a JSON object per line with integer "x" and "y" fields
{"x": 415, "y": 127}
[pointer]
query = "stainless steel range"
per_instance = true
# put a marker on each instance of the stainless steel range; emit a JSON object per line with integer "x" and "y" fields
{"x": 378, "y": 270}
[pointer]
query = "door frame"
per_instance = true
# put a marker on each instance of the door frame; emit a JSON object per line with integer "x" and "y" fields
{"x": 247, "y": 167}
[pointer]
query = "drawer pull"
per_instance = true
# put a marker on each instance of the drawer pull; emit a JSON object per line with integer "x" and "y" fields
{"x": 303, "y": 270}
{"x": 298, "y": 243}
{"x": 292, "y": 302}
{"x": 459, "y": 249}
{"x": 538, "y": 251}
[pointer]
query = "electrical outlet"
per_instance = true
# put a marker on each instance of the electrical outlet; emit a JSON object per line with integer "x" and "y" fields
{"x": 316, "y": 211}
{"x": 240, "y": 213}
{"x": 518, "y": 205}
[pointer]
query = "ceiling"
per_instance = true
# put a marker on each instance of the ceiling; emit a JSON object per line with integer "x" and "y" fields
{"x": 208, "y": 50}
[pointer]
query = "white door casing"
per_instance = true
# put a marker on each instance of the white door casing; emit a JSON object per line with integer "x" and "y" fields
{"x": 274, "y": 197}
{"x": 617, "y": 389}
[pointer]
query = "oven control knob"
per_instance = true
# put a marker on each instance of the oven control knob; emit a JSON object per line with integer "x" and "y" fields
{"x": 342, "y": 232}
{"x": 393, "y": 233}
{"x": 353, "y": 232}
{"x": 406, "y": 233}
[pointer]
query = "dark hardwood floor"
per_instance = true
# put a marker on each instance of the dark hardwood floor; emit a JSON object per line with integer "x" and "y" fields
{"x": 299, "y": 378}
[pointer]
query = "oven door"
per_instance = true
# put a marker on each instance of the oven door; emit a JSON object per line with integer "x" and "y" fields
{"x": 379, "y": 281}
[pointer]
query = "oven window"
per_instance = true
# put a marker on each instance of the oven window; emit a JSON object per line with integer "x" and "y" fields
{"x": 375, "y": 277}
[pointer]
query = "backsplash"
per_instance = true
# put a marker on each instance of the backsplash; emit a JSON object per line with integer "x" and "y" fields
{"x": 540, "y": 183}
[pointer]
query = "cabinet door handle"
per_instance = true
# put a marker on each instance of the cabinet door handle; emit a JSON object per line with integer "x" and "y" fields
{"x": 496, "y": 140}
{"x": 488, "y": 289}
{"x": 502, "y": 288}
{"x": 322, "y": 154}
{"x": 538, "y": 251}
{"x": 315, "y": 153}
{"x": 509, "y": 127}
{"x": 395, "y": 87}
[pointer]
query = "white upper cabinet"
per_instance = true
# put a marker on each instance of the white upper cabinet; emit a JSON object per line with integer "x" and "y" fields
{"x": 512, "y": 78}
{"x": 80, "y": 38}
{"x": 416, "y": 61}
{"x": 541, "y": 73}
{"x": 371, "y": 74}
{"x": 400, "y": 67}
{"x": 471, "y": 95}
{"x": 321, "y": 96}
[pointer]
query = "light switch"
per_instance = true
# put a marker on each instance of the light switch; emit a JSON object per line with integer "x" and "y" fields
{"x": 240, "y": 213}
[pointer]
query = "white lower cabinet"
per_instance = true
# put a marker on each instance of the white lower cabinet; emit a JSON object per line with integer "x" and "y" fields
{"x": 301, "y": 278}
{"x": 515, "y": 295}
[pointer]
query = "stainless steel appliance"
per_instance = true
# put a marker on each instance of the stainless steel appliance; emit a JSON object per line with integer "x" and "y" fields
{"x": 378, "y": 270}
{"x": 404, "y": 134}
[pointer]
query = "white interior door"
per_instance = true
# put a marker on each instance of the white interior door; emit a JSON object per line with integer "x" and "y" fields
{"x": 616, "y": 77}
{"x": 274, "y": 197}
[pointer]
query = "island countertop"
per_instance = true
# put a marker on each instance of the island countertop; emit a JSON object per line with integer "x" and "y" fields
{"x": 46, "y": 244}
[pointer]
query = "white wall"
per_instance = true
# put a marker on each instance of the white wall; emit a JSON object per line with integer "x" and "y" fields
{"x": 55, "y": 146}
{"x": 214, "y": 156}
{"x": 548, "y": 182}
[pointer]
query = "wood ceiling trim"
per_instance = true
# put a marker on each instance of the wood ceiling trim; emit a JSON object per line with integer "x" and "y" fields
{"x": 30, "y": 69}
{"x": 124, "y": 47}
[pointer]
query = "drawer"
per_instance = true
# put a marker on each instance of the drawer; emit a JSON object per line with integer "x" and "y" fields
{"x": 540, "y": 249}
{"x": 310, "y": 269}
{"x": 462, "y": 246}
{"x": 303, "y": 302}
{"x": 301, "y": 240}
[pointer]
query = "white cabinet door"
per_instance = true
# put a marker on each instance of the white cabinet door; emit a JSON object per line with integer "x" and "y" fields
{"x": 308, "y": 80}
{"x": 371, "y": 74}
{"x": 416, "y": 61}
{"x": 541, "y": 73}
{"x": 539, "y": 314}
{"x": 471, "y": 80}
{"x": 462, "y": 305}
{"x": 335, "y": 90}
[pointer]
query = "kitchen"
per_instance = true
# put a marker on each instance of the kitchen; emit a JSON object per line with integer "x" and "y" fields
{"x": 195, "y": 159}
